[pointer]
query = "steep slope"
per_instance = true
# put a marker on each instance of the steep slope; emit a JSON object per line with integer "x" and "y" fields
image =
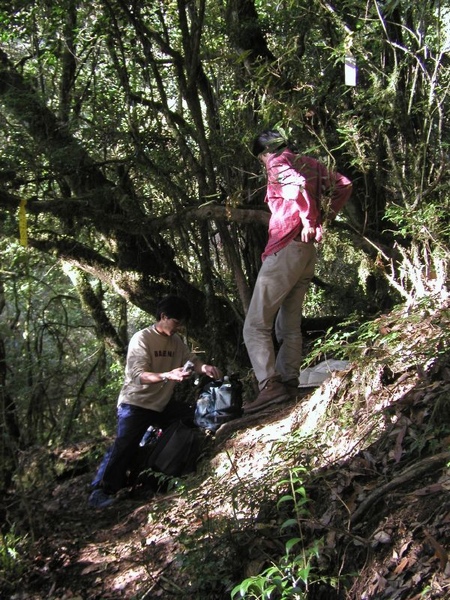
{"x": 352, "y": 478}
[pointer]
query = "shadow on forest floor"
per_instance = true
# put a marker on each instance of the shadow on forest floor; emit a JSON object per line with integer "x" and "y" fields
{"x": 375, "y": 440}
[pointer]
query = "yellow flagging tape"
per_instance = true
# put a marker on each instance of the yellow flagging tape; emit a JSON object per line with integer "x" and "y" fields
{"x": 23, "y": 223}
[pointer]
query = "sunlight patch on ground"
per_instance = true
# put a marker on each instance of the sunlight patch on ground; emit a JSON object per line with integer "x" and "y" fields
{"x": 122, "y": 581}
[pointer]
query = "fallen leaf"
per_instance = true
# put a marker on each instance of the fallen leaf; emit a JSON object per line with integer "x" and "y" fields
{"x": 401, "y": 565}
{"x": 92, "y": 569}
{"x": 382, "y": 537}
{"x": 398, "y": 450}
{"x": 439, "y": 551}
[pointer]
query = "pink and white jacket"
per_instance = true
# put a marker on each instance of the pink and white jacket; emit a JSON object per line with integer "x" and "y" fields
{"x": 295, "y": 187}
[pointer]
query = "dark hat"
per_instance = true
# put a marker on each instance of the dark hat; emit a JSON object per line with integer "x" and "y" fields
{"x": 268, "y": 141}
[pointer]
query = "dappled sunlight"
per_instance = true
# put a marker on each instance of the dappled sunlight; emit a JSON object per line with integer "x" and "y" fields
{"x": 373, "y": 448}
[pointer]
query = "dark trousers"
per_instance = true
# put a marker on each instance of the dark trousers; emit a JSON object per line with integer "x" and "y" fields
{"x": 132, "y": 423}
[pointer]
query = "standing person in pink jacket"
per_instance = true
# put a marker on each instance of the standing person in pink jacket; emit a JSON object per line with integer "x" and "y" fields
{"x": 296, "y": 185}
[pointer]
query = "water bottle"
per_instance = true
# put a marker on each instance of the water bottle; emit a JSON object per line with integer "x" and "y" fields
{"x": 147, "y": 436}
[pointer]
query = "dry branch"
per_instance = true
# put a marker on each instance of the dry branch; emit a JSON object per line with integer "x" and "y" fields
{"x": 416, "y": 470}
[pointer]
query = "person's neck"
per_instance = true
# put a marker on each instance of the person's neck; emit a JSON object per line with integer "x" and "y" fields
{"x": 157, "y": 327}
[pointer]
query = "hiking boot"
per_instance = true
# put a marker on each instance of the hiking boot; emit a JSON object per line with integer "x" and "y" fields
{"x": 100, "y": 499}
{"x": 273, "y": 393}
{"x": 291, "y": 386}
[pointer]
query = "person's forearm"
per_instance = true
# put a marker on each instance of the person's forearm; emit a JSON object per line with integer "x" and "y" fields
{"x": 199, "y": 366}
{"x": 147, "y": 377}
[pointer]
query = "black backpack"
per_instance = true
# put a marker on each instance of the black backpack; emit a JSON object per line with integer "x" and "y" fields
{"x": 219, "y": 402}
{"x": 173, "y": 451}
{"x": 176, "y": 451}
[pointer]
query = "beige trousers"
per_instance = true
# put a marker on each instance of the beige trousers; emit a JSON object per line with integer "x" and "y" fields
{"x": 280, "y": 289}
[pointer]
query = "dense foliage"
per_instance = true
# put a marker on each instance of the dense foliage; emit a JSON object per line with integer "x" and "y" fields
{"x": 125, "y": 174}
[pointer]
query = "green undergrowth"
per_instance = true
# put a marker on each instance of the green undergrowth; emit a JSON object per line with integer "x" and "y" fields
{"x": 395, "y": 339}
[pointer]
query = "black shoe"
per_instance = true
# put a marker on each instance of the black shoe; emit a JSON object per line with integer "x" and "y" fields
{"x": 100, "y": 499}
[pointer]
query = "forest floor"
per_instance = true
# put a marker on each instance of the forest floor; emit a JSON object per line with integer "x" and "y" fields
{"x": 375, "y": 441}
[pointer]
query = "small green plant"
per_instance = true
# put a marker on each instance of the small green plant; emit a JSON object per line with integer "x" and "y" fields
{"x": 291, "y": 577}
{"x": 342, "y": 343}
{"x": 12, "y": 565}
{"x": 288, "y": 579}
